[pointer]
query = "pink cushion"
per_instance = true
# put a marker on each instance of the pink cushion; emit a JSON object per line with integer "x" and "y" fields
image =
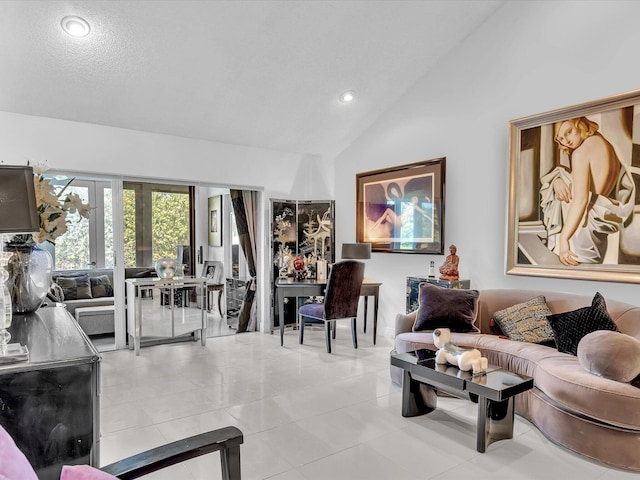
{"x": 13, "y": 464}
{"x": 84, "y": 472}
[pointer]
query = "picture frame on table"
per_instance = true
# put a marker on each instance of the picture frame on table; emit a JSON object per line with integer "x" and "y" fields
{"x": 401, "y": 209}
{"x": 573, "y": 192}
{"x": 215, "y": 221}
{"x": 209, "y": 270}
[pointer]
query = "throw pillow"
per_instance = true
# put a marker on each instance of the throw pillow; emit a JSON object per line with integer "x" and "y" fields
{"x": 526, "y": 322}
{"x": 84, "y": 472}
{"x": 101, "y": 286}
{"x": 452, "y": 308}
{"x": 570, "y": 327}
{"x": 611, "y": 355}
{"x": 13, "y": 464}
{"x": 75, "y": 288}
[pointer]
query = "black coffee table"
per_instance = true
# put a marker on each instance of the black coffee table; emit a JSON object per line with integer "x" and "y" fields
{"x": 493, "y": 390}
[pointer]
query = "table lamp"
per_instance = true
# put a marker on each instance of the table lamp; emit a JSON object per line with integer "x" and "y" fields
{"x": 356, "y": 251}
{"x": 18, "y": 214}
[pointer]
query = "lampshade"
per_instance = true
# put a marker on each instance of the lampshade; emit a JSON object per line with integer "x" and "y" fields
{"x": 356, "y": 251}
{"x": 18, "y": 209}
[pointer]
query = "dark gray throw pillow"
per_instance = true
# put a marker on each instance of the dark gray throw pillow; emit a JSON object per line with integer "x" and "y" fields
{"x": 101, "y": 286}
{"x": 569, "y": 327}
{"x": 76, "y": 287}
{"x": 452, "y": 308}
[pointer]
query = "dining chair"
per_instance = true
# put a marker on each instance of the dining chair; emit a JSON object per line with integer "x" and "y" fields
{"x": 341, "y": 299}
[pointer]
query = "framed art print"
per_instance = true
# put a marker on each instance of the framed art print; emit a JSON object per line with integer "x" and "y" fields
{"x": 215, "y": 221}
{"x": 574, "y": 200}
{"x": 401, "y": 209}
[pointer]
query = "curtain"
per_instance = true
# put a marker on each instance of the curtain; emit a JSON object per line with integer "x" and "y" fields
{"x": 245, "y": 209}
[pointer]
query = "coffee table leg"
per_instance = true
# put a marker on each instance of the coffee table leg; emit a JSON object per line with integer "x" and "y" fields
{"x": 417, "y": 398}
{"x": 495, "y": 422}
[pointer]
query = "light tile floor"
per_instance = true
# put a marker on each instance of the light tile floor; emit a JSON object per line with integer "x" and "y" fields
{"x": 308, "y": 415}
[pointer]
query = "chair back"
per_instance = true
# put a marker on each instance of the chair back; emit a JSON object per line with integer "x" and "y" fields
{"x": 343, "y": 290}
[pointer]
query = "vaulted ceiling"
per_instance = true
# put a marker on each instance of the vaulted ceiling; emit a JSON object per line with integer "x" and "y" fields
{"x": 256, "y": 73}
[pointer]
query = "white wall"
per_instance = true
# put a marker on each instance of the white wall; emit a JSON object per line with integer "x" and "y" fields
{"x": 116, "y": 152}
{"x": 528, "y": 58}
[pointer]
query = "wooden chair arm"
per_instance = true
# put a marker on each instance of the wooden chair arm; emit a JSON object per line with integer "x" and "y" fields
{"x": 226, "y": 440}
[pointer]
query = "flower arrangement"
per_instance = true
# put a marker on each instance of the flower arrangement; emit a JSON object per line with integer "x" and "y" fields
{"x": 53, "y": 208}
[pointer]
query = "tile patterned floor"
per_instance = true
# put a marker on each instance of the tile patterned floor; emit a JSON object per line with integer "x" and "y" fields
{"x": 307, "y": 415}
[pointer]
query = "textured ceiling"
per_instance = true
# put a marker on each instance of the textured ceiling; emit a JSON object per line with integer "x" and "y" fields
{"x": 256, "y": 73}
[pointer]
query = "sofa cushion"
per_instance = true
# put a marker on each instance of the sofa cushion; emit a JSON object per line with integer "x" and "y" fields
{"x": 451, "y": 308}
{"x": 101, "y": 286}
{"x": 570, "y": 327}
{"x": 595, "y": 354}
{"x": 84, "y": 472}
{"x": 76, "y": 287}
{"x": 13, "y": 464}
{"x": 526, "y": 322}
{"x": 562, "y": 379}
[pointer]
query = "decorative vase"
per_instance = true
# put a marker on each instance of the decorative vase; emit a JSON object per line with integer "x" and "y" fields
{"x": 29, "y": 276}
{"x": 166, "y": 267}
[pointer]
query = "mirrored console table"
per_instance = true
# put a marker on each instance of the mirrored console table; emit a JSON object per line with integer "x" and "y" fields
{"x": 174, "y": 297}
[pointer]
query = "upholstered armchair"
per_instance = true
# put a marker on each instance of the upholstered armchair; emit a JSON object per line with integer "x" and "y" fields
{"x": 227, "y": 440}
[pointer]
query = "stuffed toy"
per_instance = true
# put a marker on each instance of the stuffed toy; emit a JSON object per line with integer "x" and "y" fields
{"x": 464, "y": 358}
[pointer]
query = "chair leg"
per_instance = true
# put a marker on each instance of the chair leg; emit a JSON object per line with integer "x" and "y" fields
{"x": 301, "y": 328}
{"x": 327, "y": 327}
{"x": 354, "y": 332}
{"x": 230, "y": 463}
{"x": 334, "y": 326}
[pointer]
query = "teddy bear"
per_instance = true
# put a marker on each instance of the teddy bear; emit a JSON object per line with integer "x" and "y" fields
{"x": 463, "y": 358}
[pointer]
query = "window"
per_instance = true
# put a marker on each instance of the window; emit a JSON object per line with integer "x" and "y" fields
{"x": 157, "y": 219}
{"x": 87, "y": 242}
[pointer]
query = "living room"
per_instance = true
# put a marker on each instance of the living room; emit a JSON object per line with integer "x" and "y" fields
{"x": 522, "y": 58}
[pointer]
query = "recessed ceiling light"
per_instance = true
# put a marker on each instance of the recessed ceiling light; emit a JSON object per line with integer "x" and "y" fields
{"x": 347, "y": 96}
{"x": 75, "y": 26}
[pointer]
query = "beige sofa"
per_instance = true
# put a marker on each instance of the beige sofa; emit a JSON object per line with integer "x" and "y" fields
{"x": 589, "y": 414}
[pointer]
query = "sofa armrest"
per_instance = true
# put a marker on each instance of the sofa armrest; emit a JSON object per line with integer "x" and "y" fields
{"x": 226, "y": 440}
{"x": 404, "y": 322}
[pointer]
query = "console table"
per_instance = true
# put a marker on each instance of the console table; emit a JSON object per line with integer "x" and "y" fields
{"x": 135, "y": 287}
{"x": 413, "y": 284}
{"x": 50, "y": 403}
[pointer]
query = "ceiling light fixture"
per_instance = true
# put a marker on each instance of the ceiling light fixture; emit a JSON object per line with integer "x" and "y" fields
{"x": 75, "y": 26}
{"x": 347, "y": 96}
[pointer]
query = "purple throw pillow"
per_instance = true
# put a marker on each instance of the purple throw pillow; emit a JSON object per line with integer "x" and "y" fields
{"x": 452, "y": 308}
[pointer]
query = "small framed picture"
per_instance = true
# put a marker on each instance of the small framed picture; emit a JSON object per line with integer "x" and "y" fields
{"x": 215, "y": 221}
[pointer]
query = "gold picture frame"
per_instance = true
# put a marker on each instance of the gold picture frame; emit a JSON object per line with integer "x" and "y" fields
{"x": 574, "y": 192}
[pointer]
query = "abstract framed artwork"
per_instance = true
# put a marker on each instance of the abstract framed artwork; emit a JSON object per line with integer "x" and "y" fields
{"x": 401, "y": 209}
{"x": 574, "y": 196}
{"x": 215, "y": 221}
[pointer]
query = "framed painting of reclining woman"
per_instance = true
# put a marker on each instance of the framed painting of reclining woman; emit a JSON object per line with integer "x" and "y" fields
{"x": 574, "y": 196}
{"x": 401, "y": 209}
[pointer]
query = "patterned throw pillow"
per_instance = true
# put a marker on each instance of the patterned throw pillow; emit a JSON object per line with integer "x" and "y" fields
{"x": 75, "y": 288}
{"x": 526, "y": 322}
{"x": 452, "y": 308}
{"x": 101, "y": 286}
{"x": 570, "y": 327}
